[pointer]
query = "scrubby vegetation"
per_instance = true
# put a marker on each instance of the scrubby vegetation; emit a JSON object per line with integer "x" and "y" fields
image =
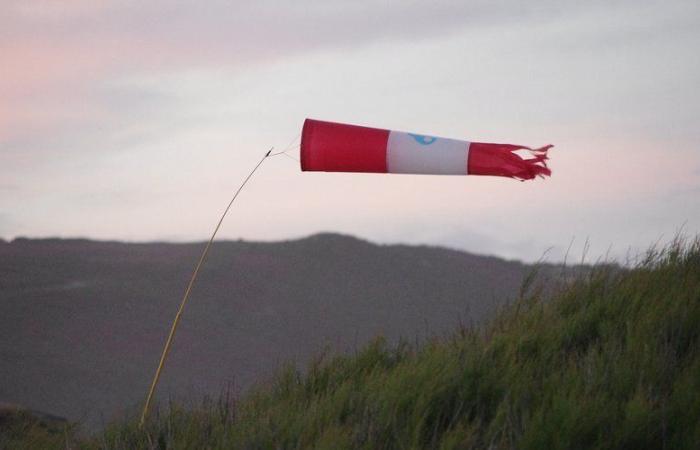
{"x": 611, "y": 360}
{"x": 22, "y": 429}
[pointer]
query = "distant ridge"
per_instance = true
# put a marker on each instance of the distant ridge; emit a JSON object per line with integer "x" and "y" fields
{"x": 82, "y": 321}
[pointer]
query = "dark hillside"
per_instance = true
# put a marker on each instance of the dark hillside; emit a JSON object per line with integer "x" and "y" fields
{"x": 611, "y": 361}
{"x": 82, "y": 322}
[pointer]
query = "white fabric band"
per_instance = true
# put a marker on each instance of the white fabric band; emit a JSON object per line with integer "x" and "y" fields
{"x": 414, "y": 153}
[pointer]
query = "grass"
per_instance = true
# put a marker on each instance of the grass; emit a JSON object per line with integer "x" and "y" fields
{"x": 610, "y": 360}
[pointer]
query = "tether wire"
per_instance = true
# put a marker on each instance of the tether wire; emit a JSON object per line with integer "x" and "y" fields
{"x": 176, "y": 321}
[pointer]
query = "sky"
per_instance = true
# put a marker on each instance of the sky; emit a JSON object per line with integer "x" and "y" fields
{"x": 138, "y": 120}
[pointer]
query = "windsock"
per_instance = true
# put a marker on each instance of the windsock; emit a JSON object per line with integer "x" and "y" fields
{"x": 337, "y": 147}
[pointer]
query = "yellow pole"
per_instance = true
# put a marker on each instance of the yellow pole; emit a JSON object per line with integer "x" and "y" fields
{"x": 176, "y": 322}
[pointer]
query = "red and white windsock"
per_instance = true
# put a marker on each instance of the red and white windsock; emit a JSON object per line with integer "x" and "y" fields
{"x": 336, "y": 147}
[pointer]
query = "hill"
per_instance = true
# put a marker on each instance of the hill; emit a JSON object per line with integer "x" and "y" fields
{"x": 611, "y": 361}
{"x": 82, "y": 322}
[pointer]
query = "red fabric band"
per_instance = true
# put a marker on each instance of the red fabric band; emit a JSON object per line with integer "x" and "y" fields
{"x": 335, "y": 147}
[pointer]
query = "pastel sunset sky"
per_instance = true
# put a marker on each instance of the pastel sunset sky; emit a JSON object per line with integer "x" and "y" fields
{"x": 137, "y": 120}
